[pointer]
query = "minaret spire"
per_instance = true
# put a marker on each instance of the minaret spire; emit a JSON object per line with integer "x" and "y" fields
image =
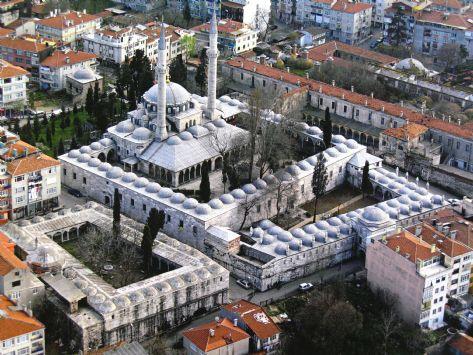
{"x": 212, "y": 55}
{"x": 161, "y": 67}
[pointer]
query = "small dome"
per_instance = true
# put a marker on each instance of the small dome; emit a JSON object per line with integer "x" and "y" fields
{"x": 298, "y": 233}
{"x": 249, "y": 189}
{"x": 332, "y": 152}
{"x": 393, "y": 203}
{"x": 342, "y": 148}
{"x": 150, "y": 292}
{"x": 37, "y": 219}
{"x": 115, "y": 173}
{"x": 174, "y": 140}
{"x": 94, "y": 162}
{"x": 165, "y": 192}
{"x": 295, "y": 245}
{"x": 310, "y": 229}
{"x": 260, "y": 184}
{"x": 238, "y": 194}
{"x": 105, "y": 166}
{"x": 219, "y": 122}
{"x": 405, "y": 210}
{"x": 416, "y": 206}
{"x": 266, "y": 224}
{"x": 374, "y": 214}
{"x": 152, "y": 187}
{"x": 352, "y": 214}
{"x": 302, "y": 126}
{"x": 267, "y": 239}
{"x": 96, "y": 299}
{"x": 216, "y": 204}
{"x": 84, "y": 74}
{"x": 334, "y": 221}
{"x": 323, "y": 225}
{"x": 275, "y": 230}
{"x": 107, "y": 307}
{"x": 421, "y": 191}
{"x": 393, "y": 213}
{"x": 178, "y": 198}
{"x": 84, "y": 158}
{"x": 257, "y": 232}
{"x": 129, "y": 177}
{"x": 394, "y": 186}
{"x": 314, "y": 131}
{"x": 294, "y": 170}
{"x": 351, "y": 143}
{"x": 426, "y": 203}
{"x": 203, "y": 208}
{"x": 141, "y": 182}
{"x": 284, "y": 236}
{"x": 198, "y": 131}
{"x": 437, "y": 199}
{"x": 106, "y": 142}
{"x": 125, "y": 127}
{"x": 141, "y": 134}
{"x": 332, "y": 233}
{"x": 308, "y": 241}
{"x": 403, "y": 200}
{"x": 122, "y": 301}
{"x": 345, "y": 229}
{"x": 283, "y": 176}
{"x": 391, "y": 175}
{"x": 225, "y": 98}
{"x": 414, "y": 196}
{"x": 227, "y": 199}
{"x": 383, "y": 180}
{"x": 185, "y": 136}
{"x": 73, "y": 153}
{"x": 281, "y": 249}
{"x": 190, "y": 203}
{"x": 404, "y": 191}
{"x": 401, "y": 180}
{"x": 96, "y": 146}
{"x": 304, "y": 165}
{"x": 410, "y": 64}
{"x": 412, "y": 185}
{"x": 210, "y": 126}
{"x": 312, "y": 160}
{"x": 136, "y": 297}
{"x": 85, "y": 149}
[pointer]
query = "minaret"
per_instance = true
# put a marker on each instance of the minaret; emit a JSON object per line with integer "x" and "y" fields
{"x": 161, "y": 67}
{"x": 212, "y": 55}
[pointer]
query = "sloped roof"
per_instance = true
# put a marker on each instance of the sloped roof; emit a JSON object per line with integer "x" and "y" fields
{"x": 8, "y": 70}
{"x": 62, "y": 58}
{"x": 350, "y": 7}
{"x": 61, "y": 21}
{"x": 360, "y": 158}
{"x": 21, "y": 148}
{"x": 408, "y": 131}
{"x": 8, "y": 261}
{"x": 411, "y": 246}
{"x": 462, "y": 343}
{"x": 23, "y": 44}
{"x": 255, "y": 318}
{"x": 14, "y": 323}
{"x": 225, "y": 333}
{"x": 30, "y": 164}
{"x": 438, "y": 17}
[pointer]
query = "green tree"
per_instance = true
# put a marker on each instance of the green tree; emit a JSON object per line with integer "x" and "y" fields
{"x": 36, "y": 127}
{"x": 319, "y": 181}
{"x": 187, "y": 13}
{"x": 45, "y": 120}
{"x": 366, "y": 185}
{"x": 188, "y": 43}
{"x": 201, "y": 72}
{"x": 155, "y": 221}
{"x": 53, "y": 128}
{"x": 327, "y": 129}
{"x": 204, "y": 188}
{"x": 75, "y": 110}
{"x": 178, "y": 71}
{"x": 397, "y": 30}
{"x": 49, "y": 138}
{"x": 116, "y": 213}
{"x": 60, "y": 147}
{"x": 74, "y": 144}
{"x": 131, "y": 97}
{"x": 89, "y": 101}
{"x": 96, "y": 92}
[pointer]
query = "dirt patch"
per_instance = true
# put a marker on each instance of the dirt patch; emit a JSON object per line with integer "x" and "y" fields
{"x": 332, "y": 199}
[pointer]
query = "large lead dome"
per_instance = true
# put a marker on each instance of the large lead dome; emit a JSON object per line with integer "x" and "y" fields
{"x": 175, "y": 94}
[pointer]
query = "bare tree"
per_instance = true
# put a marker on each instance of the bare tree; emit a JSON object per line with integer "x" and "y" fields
{"x": 451, "y": 54}
{"x": 261, "y": 22}
{"x": 247, "y": 207}
{"x": 285, "y": 190}
{"x": 255, "y": 108}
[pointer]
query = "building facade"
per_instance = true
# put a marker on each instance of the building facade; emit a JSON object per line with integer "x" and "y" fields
{"x": 13, "y": 82}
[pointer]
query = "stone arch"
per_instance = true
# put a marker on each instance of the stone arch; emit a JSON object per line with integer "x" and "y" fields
{"x": 369, "y": 141}
{"x": 218, "y": 163}
{"x": 102, "y": 157}
{"x": 192, "y": 173}
{"x": 111, "y": 156}
{"x": 169, "y": 177}
{"x": 343, "y": 131}
{"x": 107, "y": 200}
{"x": 186, "y": 175}
{"x": 198, "y": 170}
{"x": 349, "y": 133}
{"x": 57, "y": 237}
{"x": 181, "y": 177}
{"x": 363, "y": 138}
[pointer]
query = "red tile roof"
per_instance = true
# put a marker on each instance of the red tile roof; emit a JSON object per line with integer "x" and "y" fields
{"x": 8, "y": 70}
{"x": 223, "y": 26}
{"x": 14, "y": 322}
{"x": 462, "y": 343}
{"x": 7, "y": 242}
{"x": 413, "y": 248}
{"x": 325, "y": 51}
{"x": 255, "y": 318}
{"x": 445, "y": 244}
{"x": 353, "y": 97}
{"x": 224, "y": 333}
{"x": 9, "y": 261}
{"x": 438, "y": 17}
{"x": 67, "y": 20}
{"x": 350, "y": 7}
{"x": 61, "y": 58}
{"x": 21, "y": 148}
{"x": 23, "y": 44}
{"x": 10, "y": 3}
{"x": 31, "y": 164}
{"x": 5, "y": 32}
{"x": 454, "y": 4}
{"x": 456, "y": 222}
{"x": 408, "y": 131}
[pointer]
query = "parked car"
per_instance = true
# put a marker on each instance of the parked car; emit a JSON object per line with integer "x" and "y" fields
{"x": 306, "y": 286}
{"x": 453, "y": 201}
{"x": 374, "y": 44}
{"x": 75, "y": 193}
{"x": 244, "y": 283}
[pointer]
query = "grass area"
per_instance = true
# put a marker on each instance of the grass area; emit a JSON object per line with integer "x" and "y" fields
{"x": 300, "y": 72}
{"x": 92, "y": 6}
{"x": 43, "y": 100}
{"x": 65, "y": 134}
{"x": 332, "y": 199}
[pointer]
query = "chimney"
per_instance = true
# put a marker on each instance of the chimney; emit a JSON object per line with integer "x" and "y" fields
{"x": 235, "y": 322}
{"x": 372, "y": 94}
{"x": 402, "y": 103}
{"x": 434, "y": 222}
{"x": 288, "y": 69}
{"x": 453, "y": 234}
{"x": 68, "y": 60}
{"x": 459, "y": 121}
{"x": 307, "y": 75}
{"x": 449, "y": 118}
{"x": 262, "y": 59}
{"x": 432, "y": 248}
{"x": 212, "y": 332}
{"x": 366, "y": 102}
{"x": 418, "y": 230}
{"x": 254, "y": 69}
{"x": 333, "y": 82}
{"x": 343, "y": 96}
{"x": 402, "y": 113}
{"x": 352, "y": 88}
{"x": 398, "y": 249}
{"x": 84, "y": 11}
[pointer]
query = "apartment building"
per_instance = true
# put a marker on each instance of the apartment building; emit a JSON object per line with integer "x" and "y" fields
{"x": 20, "y": 332}
{"x": 348, "y": 22}
{"x": 25, "y": 53}
{"x": 379, "y": 10}
{"x": 13, "y": 81}
{"x": 415, "y": 273}
{"x": 17, "y": 282}
{"x": 251, "y": 12}
{"x": 407, "y": 10}
{"x": 233, "y": 37}
{"x": 54, "y": 69}
{"x": 68, "y": 27}
{"x": 137, "y": 5}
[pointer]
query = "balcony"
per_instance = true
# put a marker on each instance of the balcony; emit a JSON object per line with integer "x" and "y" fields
{"x": 424, "y": 314}
{"x": 427, "y": 294}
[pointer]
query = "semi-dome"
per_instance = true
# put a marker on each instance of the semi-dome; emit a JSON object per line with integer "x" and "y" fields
{"x": 216, "y": 203}
{"x": 374, "y": 214}
{"x": 141, "y": 134}
{"x": 227, "y": 199}
{"x": 152, "y": 187}
{"x": 125, "y": 127}
{"x": 84, "y": 74}
{"x": 175, "y": 94}
{"x": 141, "y": 182}
{"x": 410, "y": 64}
{"x": 115, "y": 172}
{"x": 129, "y": 177}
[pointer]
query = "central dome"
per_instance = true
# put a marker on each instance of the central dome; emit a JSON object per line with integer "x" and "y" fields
{"x": 175, "y": 94}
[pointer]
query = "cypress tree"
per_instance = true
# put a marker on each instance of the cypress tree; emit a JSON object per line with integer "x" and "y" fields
{"x": 147, "y": 249}
{"x": 155, "y": 221}
{"x": 36, "y": 127}
{"x": 319, "y": 181}
{"x": 89, "y": 101}
{"x": 327, "y": 129}
{"x": 204, "y": 189}
{"x": 366, "y": 186}
{"x": 201, "y": 72}
{"x": 96, "y": 93}
{"x": 60, "y": 147}
{"x": 74, "y": 144}
{"x": 49, "y": 138}
{"x": 53, "y": 128}
{"x": 116, "y": 213}
{"x": 178, "y": 70}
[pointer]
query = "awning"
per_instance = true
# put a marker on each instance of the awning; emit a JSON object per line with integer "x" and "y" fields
{"x": 131, "y": 160}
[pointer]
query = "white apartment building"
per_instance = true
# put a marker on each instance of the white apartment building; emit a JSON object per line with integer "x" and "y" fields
{"x": 54, "y": 69}
{"x": 67, "y": 27}
{"x": 25, "y": 333}
{"x": 379, "y": 8}
{"x": 348, "y": 22}
{"x": 233, "y": 37}
{"x": 417, "y": 272}
{"x": 13, "y": 81}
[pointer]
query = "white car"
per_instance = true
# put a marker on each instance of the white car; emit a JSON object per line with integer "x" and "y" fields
{"x": 244, "y": 283}
{"x": 453, "y": 201}
{"x": 306, "y": 286}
